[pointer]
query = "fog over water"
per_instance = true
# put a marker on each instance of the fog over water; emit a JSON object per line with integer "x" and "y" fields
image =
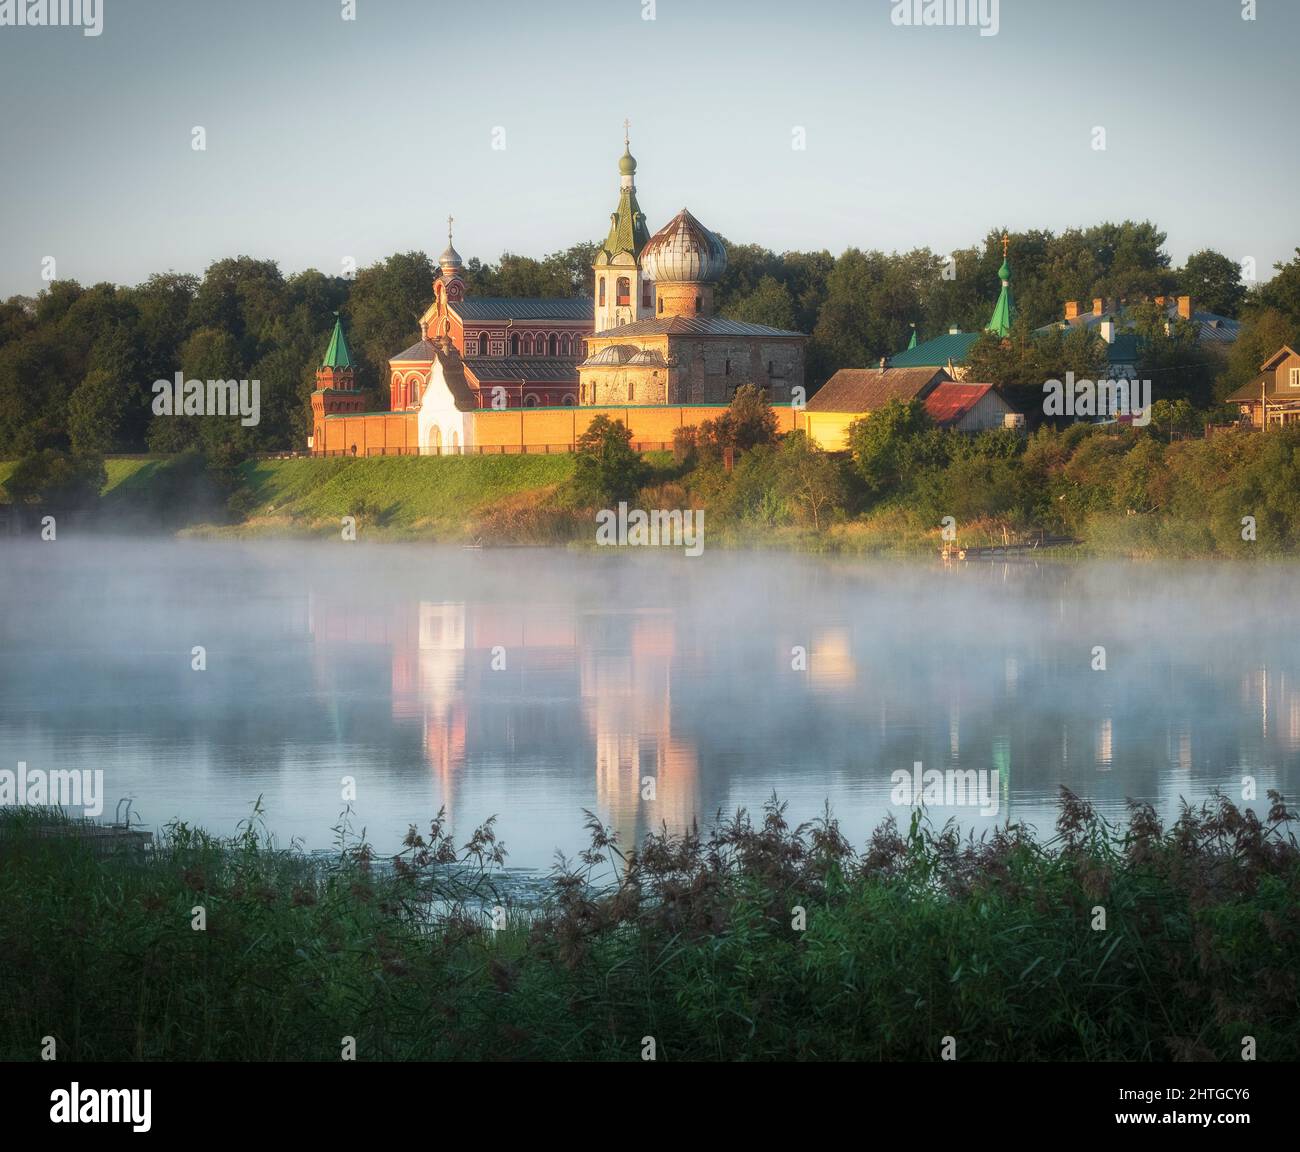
{"x": 335, "y": 659}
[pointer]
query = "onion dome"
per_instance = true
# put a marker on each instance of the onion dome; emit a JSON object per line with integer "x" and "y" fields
{"x": 627, "y": 163}
{"x": 683, "y": 251}
{"x": 450, "y": 261}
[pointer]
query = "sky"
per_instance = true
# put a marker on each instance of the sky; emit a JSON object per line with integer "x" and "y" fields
{"x": 330, "y": 141}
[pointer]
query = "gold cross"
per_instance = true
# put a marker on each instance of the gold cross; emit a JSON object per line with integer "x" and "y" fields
{"x": 1005, "y": 241}
{"x": 627, "y": 124}
{"x": 450, "y": 219}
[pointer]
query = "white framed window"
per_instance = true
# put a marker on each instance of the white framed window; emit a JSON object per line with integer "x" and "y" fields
{"x": 1295, "y": 378}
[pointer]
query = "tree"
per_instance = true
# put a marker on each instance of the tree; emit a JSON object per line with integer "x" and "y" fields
{"x": 607, "y": 469}
{"x": 1213, "y": 281}
{"x": 750, "y": 418}
{"x": 810, "y": 479}
{"x": 60, "y": 481}
{"x": 769, "y": 303}
{"x": 880, "y": 442}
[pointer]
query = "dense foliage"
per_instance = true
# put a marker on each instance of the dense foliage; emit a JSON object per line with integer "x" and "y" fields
{"x": 753, "y": 941}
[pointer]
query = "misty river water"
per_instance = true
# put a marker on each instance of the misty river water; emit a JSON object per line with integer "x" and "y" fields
{"x": 645, "y": 686}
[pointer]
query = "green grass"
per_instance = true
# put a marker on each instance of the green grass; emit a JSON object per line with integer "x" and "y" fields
{"x": 695, "y": 941}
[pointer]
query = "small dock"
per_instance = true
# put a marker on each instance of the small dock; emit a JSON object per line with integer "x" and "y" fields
{"x": 1007, "y": 550}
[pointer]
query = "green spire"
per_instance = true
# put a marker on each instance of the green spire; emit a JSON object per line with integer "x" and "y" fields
{"x": 337, "y": 354}
{"x": 1004, "y": 315}
{"x": 627, "y": 227}
{"x": 912, "y": 342}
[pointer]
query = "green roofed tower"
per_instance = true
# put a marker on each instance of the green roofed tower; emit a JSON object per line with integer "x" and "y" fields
{"x": 623, "y": 295}
{"x": 337, "y": 355}
{"x": 1004, "y": 314}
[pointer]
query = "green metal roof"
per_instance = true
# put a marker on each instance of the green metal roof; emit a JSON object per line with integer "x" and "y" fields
{"x": 937, "y": 352}
{"x": 627, "y": 227}
{"x": 337, "y": 354}
{"x": 1004, "y": 313}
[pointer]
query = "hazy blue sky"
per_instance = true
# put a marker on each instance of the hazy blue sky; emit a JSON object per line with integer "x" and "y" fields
{"x": 329, "y": 139}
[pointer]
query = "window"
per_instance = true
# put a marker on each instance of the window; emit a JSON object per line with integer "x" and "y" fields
{"x": 1295, "y": 377}
{"x": 697, "y": 304}
{"x": 514, "y": 344}
{"x": 661, "y": 303}
{"x": 564, "y": 345}
{"x": 601, "y": 299}
{"x": 726, "y": 367}
{"x": 624, "y": 292}
{"x": 555, "y": 345}
{"x": 482, "y": 343}
{"x": 645, "y": 294}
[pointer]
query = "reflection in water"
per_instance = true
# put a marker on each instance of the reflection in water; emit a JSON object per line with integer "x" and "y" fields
{"x": 535, "y": 684}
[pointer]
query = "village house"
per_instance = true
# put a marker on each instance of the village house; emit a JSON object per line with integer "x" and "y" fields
{"x": 1272, "y": 399}
{"x": 853, "y": 393}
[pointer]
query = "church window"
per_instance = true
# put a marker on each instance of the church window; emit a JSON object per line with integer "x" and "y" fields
{"x": 631, "y": 391}
{"x": 514, "y": 344}
{"x": 645, "y": 293}
{"x": 602, "y": 292}
{"x": 726, "y": 368}
{"x": 624, "y": 291}
{"x": 528, "y": 344}
{"x": 564, "y": 345}
{"x": 697, "y": 304}
{"x": 482, "y": 343}
{"x": 555, "y": 345}
{"x": 661, "y": 303}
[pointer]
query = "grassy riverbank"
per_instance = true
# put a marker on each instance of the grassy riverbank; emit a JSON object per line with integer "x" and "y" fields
{"x": 756, "y": 942}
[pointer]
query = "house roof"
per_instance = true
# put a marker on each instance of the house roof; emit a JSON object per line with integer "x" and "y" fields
{"x": 512, "y": 369}
{"x": 421, "y": 352}
{"x": 951, "y": 400}
{"x": 1215, "y": 329}
{"x": 1264, "y": 385}
{"x": 869, "y": 389}
{"x": 1281, "y": 354}
{"x": 695, "y": 326}
{"x": 481, "y": 308}
{"x": 937, "y": 352}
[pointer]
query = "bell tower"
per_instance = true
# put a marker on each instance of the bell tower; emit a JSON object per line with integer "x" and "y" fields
{"x": 623, "y": 294}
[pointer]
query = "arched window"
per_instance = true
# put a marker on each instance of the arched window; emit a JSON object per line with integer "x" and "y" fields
{"x": 546, "y": 399}
{"x": 564, "y": 344}
{"x": 528, "y": 343}
{"x": 482, "y": 343}
{"x": 631, "y": 391}
{"x": 601, "y": 300}
{"x": 530, "y": 401}
{"x": 514, "y": 343}
{"x": 624, "y": 291}
{"x": 555, "y": 345}
{"x": 568, "y": 400}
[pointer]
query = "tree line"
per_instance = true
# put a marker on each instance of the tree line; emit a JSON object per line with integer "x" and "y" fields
{"x": 77, "y": 364}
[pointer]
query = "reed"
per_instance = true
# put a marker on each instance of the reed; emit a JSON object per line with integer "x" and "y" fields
{"x": 695, "y": 939}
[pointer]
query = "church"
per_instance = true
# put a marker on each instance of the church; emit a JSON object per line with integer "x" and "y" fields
{"x": 529, "y": 375}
